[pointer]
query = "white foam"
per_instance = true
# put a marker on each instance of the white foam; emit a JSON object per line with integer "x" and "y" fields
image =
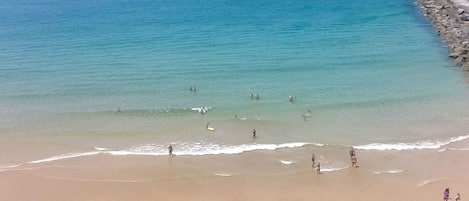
{"x": 223, "y": 174}
{"x": 201, "y": 109}
{"x": 9, "y": 166}
{"x": 423, "y": 183}
{"x": 331, "y": 169}
{"x": 389, "y": 172}
{"x": 459, "y": 149}
{"x": 100, "y": 149}
{"x": 286, "y": 162}
{"x": 65, "y": 156}
{"x": 427, "y": 144}
{"x": 202, "y": 148}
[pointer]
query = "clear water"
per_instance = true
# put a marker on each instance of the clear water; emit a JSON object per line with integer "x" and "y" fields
{"x": 370, "y": 71}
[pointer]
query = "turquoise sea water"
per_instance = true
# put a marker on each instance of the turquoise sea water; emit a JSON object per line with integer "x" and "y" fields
{"x": 370, "y": 71}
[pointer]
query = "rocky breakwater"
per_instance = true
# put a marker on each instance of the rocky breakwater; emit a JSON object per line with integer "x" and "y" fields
{"x": 451, "y": 19}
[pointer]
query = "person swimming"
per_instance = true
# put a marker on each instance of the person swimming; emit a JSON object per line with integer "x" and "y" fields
{"x": 291, "y": 98}
{"x": 257, "y": 97}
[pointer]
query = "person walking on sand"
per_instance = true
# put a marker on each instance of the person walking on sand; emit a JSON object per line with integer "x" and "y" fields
{"x": 254, "y": 133}
{"x": 313, "y": 160}
{"x": 458, "y": 197}
{"x": 318, "y": 169}
{"x": 446, "y": 194}
{"x": 170, "y": 150}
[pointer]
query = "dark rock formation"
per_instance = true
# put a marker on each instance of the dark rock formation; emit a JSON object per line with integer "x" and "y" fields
{"x": 452, "y": 24}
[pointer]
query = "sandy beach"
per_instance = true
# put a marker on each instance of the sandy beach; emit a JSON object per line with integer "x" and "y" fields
{"x": 259, "y": 175}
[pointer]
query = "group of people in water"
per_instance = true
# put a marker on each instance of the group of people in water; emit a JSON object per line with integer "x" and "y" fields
{"x": 353, "y": 158}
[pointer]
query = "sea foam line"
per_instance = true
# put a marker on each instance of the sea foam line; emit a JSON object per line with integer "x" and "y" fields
{"x": 191, "y": 149}
{"x": 423, "y": 183}
{"x": 389, "y": 172}
{"x": 65, "y": 156}
{"x": 427, "y": 144}
{"x": 198, "y": 149}
{"x": 334, "y": 169}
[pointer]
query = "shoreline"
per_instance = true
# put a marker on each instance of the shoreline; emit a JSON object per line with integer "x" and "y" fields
{"x": 259, "y": 175}
{"x": 451, "y": 19}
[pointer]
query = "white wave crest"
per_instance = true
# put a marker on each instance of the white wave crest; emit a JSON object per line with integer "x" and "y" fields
{"x": 197, "y": 149}
{"x": 427, "y": 144}
{"x": 389, "y": 172}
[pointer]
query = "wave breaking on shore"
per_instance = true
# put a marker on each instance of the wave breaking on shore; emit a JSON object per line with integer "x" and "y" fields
{"x": 204, "y": 148}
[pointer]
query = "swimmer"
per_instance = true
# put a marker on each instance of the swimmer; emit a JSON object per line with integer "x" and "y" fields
{"x": 257, "y": 96}
{"x": 291, "y": 98}
{"x": 251, "y": 96}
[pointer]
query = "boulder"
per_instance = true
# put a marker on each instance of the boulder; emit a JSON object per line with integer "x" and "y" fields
{"x": 453, "y": 55}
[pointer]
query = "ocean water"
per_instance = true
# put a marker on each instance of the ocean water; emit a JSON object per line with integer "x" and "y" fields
{"x": 115, "y": 75}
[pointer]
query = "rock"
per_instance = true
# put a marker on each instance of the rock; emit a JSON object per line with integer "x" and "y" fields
{"x": 464, "y": 18}
{"x": 453, "y": 55}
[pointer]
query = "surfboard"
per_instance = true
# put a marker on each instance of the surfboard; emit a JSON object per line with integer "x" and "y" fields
{"x": 210, "y": 129}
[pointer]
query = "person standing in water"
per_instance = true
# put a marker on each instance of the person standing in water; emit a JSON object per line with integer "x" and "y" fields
{"x": 254, "y": 133}
{"x": 353, "y": 157}
{"x": 170, "y": 150}
{"x": 318, "y": 169}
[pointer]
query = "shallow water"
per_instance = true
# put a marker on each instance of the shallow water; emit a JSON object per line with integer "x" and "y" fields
{"x": 116, "y": 74}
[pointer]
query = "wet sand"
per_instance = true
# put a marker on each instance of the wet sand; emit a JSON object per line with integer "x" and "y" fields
{"x": 284, "y": 174}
